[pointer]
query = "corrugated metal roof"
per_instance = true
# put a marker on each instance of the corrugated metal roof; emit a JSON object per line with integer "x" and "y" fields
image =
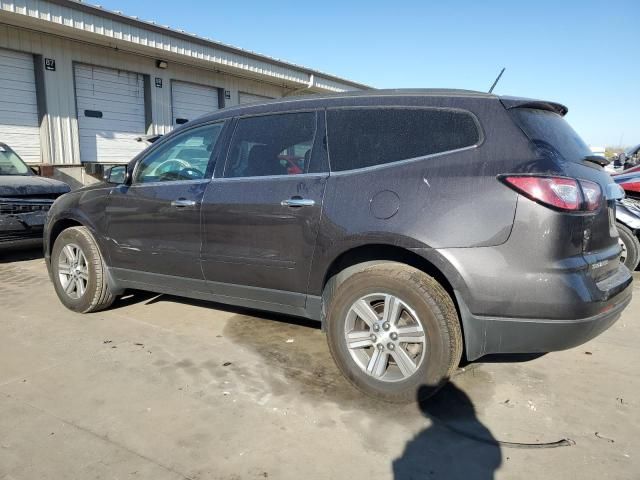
{"x": 116, "y": 25}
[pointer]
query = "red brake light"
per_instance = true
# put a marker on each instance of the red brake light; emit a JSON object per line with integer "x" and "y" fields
{"x": 558, "y": 192}
{"x": 592, "y": 195}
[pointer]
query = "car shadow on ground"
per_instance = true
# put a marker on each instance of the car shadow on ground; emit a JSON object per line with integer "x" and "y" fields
{"x": 10, "y": 254}
{"x": 456, "y": 445}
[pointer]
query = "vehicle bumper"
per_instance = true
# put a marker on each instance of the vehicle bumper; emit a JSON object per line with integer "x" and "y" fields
{"x": 484, "y": 334}
{"x": 21, "y": 227}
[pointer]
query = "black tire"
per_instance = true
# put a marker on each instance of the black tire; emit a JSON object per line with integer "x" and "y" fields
{"x": 632, "y": 246}
{"x": 97, "y": 295}
{"x": 432, "y": 305}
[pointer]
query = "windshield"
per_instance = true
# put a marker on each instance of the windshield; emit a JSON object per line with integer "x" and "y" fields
{"x": 11, "y": 164}
{"x": 551, "y": 134}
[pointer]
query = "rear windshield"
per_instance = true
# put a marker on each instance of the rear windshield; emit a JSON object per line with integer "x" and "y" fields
{"x": 552, "y": 136}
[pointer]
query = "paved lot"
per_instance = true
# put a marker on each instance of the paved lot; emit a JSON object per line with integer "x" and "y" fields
{"x": 163, "y": 388}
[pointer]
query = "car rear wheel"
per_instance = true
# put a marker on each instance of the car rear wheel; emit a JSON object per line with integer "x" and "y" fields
{"x": 392, "y": 329}
{"x": 79, "y": 274}
{"x": 630, "y": 255}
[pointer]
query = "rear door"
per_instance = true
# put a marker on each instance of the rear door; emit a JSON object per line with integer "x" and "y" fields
{"x": 154, "y": 224}
{"x": 260, "y": 220}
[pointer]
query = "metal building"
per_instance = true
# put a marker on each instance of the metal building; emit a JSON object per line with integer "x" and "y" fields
{"x": 78, "y": 84}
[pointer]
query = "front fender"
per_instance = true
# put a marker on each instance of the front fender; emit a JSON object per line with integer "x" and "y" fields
{"x": 83, "y": 207}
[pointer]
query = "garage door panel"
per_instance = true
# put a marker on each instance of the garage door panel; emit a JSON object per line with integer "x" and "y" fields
{"x": 16, "y": 75}
{"x": 17, "y": 96}
{"x": 190, "y": 101}
{"x": 114, "y": 108}
{"x": 119, "y": 96}
{"x": 108, "y": 87}
{"x": 19, "y": 125}
{"x": 16, "y": 119}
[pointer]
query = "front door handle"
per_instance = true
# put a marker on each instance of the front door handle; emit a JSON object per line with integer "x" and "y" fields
{"x": 183, "y": 203}
{"x": 298, "y": 202}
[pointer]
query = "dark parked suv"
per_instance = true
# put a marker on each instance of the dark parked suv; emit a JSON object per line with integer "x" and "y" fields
{"x": 413, "y": 224}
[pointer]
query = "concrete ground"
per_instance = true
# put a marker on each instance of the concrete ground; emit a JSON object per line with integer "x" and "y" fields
{"x": 163, "y": 388}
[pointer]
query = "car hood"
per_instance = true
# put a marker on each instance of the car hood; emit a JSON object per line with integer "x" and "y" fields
{"x": 30, "y": 185}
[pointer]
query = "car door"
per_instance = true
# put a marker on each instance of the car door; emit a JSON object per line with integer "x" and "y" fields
{"x": 153, "y": 224}
{"x": 260, "y": 219}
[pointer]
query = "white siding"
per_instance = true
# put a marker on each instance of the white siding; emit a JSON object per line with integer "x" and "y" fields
{"x": 118, "y": 97}
{"x": 190, "y": 101}
{"x": 19, "y": 125}
{"x": 120, "y": 31}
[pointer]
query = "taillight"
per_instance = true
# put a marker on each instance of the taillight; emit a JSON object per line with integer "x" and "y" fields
{"x": 561, "y": 193}
{"x": 592, "y": 194}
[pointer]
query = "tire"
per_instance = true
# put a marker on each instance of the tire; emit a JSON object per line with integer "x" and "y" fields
{"x": 91, "y": 272}
{"x": 631, "y": 245}
{"x": 423, "y": 305}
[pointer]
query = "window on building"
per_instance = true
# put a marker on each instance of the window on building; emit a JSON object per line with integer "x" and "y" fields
{"x": 366, "y": 137}
{"x": 271, "y": 145}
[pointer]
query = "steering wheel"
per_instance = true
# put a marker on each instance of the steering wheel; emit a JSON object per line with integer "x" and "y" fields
{"x": 180, "y": 164}
{"x": 190, "y": 173}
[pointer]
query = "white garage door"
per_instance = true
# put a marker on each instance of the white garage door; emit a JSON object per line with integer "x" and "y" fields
{"x": 110, "y": 113}
{"x": 252, "y": 98}
{"x": 190, "y": 101}
{"x": 19, "y": 127}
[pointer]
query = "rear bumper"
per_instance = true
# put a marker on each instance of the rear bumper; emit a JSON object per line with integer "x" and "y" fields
{"x": 484, "y": 335}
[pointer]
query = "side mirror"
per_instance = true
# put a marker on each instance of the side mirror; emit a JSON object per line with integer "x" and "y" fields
{"x": 117, "y": 175}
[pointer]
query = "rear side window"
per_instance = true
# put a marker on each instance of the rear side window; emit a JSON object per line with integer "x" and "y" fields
{"x": 551, "y": 135}
{"x": 271, "y": 145}
{"x": 366, "y": 137}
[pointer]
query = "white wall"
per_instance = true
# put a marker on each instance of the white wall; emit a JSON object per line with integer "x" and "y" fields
{"x": 59, "y": 136}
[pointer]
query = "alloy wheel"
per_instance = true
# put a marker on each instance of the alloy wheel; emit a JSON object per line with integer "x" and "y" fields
{"x": 73, "y": 271}
{"x": 385, "y": 337}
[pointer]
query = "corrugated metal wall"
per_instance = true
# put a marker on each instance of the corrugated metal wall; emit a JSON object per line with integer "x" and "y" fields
{"x": 59, "y": 139}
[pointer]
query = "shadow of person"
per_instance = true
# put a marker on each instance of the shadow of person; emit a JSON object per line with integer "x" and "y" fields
{"x": 455, "y": 446}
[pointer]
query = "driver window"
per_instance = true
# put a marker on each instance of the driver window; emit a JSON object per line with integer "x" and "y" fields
{"x": 186, "y": 157}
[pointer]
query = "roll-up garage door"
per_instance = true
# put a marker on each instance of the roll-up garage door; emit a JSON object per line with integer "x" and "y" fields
{"x": 190, "y": 101}
{"x": 251, "y": 98}
{"x": 111, "y": 113}
{"x": 19, "y": 126}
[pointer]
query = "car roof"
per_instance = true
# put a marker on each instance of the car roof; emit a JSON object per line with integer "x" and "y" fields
{"x": 369, "y": 97}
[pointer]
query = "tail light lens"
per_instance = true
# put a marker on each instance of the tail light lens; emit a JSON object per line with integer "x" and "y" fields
{"x": 561, "y": 193}
{"x": 592, "y": 194}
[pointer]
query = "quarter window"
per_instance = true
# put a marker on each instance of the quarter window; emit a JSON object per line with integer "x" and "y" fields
{"x": 367, "y": 137}
{"x": 271, "y": 145}
{"x": 185, "y": 157}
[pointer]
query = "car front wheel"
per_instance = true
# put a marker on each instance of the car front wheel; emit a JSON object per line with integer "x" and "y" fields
{"x": 79, "y": 273}
{"x": 392, "y": 329}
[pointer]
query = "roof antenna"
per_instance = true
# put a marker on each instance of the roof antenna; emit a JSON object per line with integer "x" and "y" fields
{"x": 497, "y": 80}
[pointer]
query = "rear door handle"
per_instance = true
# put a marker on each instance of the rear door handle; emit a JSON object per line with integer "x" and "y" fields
{"x": 298, "y": 202}
{"x": 183, "y": 203}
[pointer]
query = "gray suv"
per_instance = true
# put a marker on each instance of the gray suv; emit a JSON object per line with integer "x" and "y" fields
{"x": 415, "y": 225}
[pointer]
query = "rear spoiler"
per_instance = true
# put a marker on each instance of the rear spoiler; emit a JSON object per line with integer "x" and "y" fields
{"x": 517, "y": 102}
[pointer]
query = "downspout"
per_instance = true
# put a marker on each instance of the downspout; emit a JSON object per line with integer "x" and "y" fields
{"x": 299, "y": 91}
